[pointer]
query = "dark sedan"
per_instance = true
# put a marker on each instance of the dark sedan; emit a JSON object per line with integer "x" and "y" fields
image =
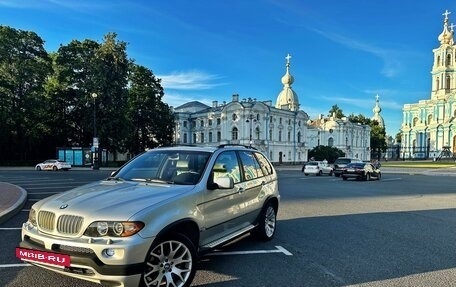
{"x": 361, "y": 171}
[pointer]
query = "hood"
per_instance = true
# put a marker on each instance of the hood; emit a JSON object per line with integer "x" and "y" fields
{"x": 116, "y": 200}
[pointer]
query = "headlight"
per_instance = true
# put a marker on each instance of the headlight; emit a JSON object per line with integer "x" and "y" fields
{"x": 113, "y": 228}
{"x": 32, "y": 216}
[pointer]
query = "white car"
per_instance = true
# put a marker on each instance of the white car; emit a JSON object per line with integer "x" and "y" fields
{"x": 318, "y": 168}
{"x": 53, "y": 164}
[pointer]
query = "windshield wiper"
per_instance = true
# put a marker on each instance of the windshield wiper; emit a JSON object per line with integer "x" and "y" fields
{"x": 155, "y": 180}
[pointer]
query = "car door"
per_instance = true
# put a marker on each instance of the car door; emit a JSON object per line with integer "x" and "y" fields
{"x": 221, "y": 208}
{"x": 258, "y": 183}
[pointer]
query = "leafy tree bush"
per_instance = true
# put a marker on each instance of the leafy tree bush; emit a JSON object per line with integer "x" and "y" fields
{"x": 325, "y": 152}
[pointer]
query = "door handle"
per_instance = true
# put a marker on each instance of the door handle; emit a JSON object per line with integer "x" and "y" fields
{"x": 241, "y": 190}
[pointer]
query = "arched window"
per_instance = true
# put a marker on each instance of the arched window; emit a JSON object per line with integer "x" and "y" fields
{"x": 330, "y": 142}
{"x": 210, "y": 137}
{"x": 185, "y": 137}
{"x": 438, "y": 60}
{"x": 429, "y": 119}
{"x": 257, "y": 133}
{"x": 202, "y": 123}
{"x": 258, "y": 117}
{"x": 234, "y": 117}
{"x": 234, "y": 133}
{"x": 202, "y": 137}
{"x": 219, "y": 136}
{"x": 270, "y": 134}
{"x": 448, "y": 60}
{"x": 289, "y": 136}
{"x": 280, "y": 136}
{"x": 448, "y": 82}
{"x": 437, "y": 83}
{"x": 415, "y": 121}
{"x": 299, "y": 137}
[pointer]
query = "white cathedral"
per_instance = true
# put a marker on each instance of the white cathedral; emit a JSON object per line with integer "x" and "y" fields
{"x": 282, "y": 131}
{"x": 428, "y": 127}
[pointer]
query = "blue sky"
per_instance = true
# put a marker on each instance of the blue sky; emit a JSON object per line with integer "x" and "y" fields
{"x": 343, "y": 52}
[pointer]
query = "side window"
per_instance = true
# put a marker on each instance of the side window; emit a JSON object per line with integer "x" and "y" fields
{"x": 226, "y": 164}
{"x": 250, "y": 165}
{"x": 264, "y": 164}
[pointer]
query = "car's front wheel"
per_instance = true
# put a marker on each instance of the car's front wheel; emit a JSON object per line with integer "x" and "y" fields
{"x": 38, "y": 168}
{"x": 170, "y": 262}
{"x": 267, "y": 222}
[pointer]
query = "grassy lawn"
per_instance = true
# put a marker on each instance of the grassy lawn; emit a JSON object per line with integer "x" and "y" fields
{"x": 419, "y": 164}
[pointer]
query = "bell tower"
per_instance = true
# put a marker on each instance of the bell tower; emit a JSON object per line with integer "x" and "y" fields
{"x": 443, "y": 71}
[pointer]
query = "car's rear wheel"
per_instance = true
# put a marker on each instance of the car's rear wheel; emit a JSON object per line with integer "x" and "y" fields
{"x": 267, "y": 222}
{"x": 320, "y": 173}
{"x": 306, "y": 174}
{"x": 170, "y": 262}
{"x": 368, "y": 177}
{"x": 54, "y": 168}
{"x": 38, "y": 168}
{"x": 330, "y": 173}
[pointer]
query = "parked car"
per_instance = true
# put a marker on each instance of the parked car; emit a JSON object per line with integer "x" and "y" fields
{"x": 361, "y": 171}
{"x": 53, "y": 164}
{"x": 318, "y": 168}
{"x": 341, "y": 162}
{"x": 147, "y": 223}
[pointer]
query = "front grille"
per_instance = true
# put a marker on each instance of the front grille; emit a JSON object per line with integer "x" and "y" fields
{"x": 66, "y": 224}
{"x": 46, "y": 220}
{"x": 72, "y": 249}
{"x": 69, "y": 224}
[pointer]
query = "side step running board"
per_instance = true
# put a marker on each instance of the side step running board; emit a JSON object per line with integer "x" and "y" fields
{"x": 229, "y": 237}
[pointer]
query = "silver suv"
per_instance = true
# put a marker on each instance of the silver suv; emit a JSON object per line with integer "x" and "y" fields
{"x": 147, "y": 223}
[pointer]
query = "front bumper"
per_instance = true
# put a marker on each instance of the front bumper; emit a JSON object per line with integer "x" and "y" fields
{"x": 89, "y": 259}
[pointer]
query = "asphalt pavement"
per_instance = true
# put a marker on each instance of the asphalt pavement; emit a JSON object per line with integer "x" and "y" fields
{"x": 13, "y": 197}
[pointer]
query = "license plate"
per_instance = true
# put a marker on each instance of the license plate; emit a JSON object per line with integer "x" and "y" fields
{"x": 43, "y": 257}
{"x": 350, "y": 170}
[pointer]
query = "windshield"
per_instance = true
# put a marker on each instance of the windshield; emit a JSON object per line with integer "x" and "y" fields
{"x": 165, "y": 166}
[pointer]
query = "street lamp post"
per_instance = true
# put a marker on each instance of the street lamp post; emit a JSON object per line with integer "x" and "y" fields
{"x": 95, "y": 138}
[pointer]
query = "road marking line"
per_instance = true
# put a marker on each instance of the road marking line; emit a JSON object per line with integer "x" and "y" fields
{"x": 14, "y": 265}
{"x": 279, "y": 249}
{"x": 10, "y": 228}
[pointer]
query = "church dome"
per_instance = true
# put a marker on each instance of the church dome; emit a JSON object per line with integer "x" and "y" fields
{"x": 446, "y": 37}
{"x": 287, "y": 98}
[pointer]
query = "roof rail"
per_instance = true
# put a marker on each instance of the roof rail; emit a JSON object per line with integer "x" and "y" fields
{"x": 238, "y": 145}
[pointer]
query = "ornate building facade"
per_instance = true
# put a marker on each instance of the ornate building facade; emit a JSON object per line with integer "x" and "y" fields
{"x": 282, "y": 131}
{"x": 428, "y": 127}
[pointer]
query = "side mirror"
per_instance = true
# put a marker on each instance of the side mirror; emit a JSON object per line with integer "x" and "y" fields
{"x": 224, "y": 182}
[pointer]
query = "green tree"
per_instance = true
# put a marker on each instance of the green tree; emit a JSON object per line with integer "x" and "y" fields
{"x": 24, "y": 67}
{"x": 325, "y": 152}
{"x": 151, "y": 121}
{"x": 335, "y": 110}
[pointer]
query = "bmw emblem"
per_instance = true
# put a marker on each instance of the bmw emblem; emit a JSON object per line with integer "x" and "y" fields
{"x": 64, "y": 206}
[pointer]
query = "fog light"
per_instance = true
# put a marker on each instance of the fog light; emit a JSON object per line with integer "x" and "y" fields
{"x": 110, "y": 252}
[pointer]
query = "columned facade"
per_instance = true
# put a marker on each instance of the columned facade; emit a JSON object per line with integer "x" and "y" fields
{"x": 428, "y": 127}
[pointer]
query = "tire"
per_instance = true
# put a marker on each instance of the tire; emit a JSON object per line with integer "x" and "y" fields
{"x": 368, "y": 177}
{"x": 54, "y": 168}
{"x": 379, "y": 176}
{"x": 306, "y": 174}
{"x": 344, "y": 178}
{"x": 319, "y": 173}
{"x": 171, "y": 261}
{"x": 336, "y": 175}
{"x": 267, "y": 223}
{"x": 331, "y": 173}
{"x": 38, "y": 168}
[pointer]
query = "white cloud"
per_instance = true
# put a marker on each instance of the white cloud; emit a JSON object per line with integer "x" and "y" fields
{"x": 391, "y": 66}
{"x": 190, "y": 80}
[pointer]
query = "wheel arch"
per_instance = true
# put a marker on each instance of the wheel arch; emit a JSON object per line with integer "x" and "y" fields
{"x": 186, "y": 227}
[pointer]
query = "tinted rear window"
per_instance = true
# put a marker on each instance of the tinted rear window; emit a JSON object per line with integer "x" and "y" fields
{"x": 342, "y": 160}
